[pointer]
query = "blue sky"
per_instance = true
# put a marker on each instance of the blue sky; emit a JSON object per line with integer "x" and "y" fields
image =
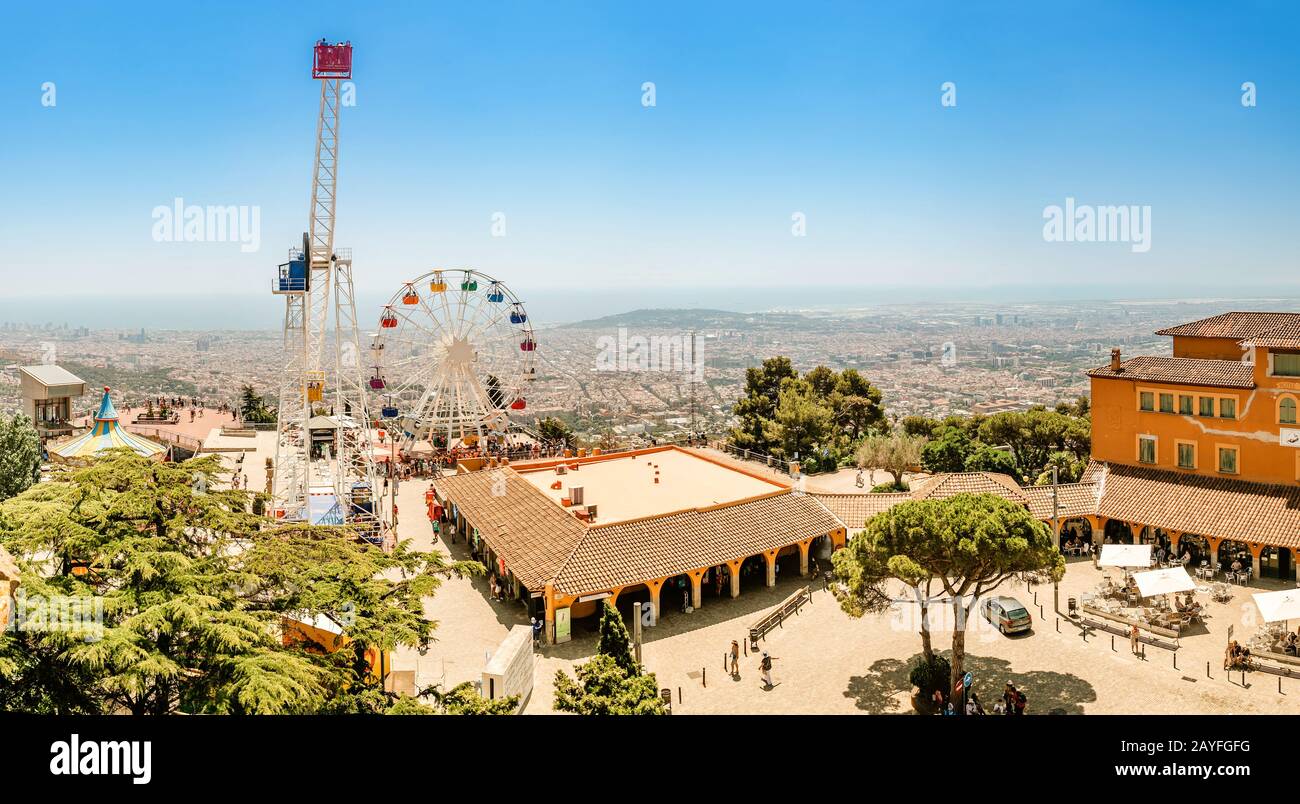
{"x": 762, "y": 110}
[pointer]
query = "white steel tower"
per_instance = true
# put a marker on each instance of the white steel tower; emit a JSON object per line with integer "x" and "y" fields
{"x": 324, "y": 474}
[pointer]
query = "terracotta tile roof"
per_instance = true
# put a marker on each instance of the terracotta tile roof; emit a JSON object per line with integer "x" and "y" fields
{"x": 533, "y": 535}
{"x": 623, "y": 553}
{"x": 1182, "y": 370}
{"x": 942, "y": 486}
{"x": 855, "y": 509}
{"x": 540, "y": 542}
{"x": 1073, "y": 499}
{"x": 1239, "y": 325}
{"x": 1286, "y": 336}
{"x": 1207, "y": 506}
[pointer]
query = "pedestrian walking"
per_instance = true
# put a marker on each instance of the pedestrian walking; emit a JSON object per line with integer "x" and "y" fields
{"x": 1133, "y": 638}
{"x": 765, "y": 666}
{"x": 735, "y": 658}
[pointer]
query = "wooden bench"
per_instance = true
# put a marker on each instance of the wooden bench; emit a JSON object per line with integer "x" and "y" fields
{"x": 776, "y": 618}
{"x": 1274, "y": 656}
{"x": 1261, "y": 667}
{"x": 1096, "y": 619}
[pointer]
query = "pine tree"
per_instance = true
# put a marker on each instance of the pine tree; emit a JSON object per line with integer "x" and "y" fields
{"x": 615, "y": 642}
{"x": 20, "y": 455}
{"x": 612, "y": 682}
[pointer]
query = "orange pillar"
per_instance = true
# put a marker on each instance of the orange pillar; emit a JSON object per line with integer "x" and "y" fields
{"x": 734, "y": 574}
{"x": 769, "y": 557}
{"x": 839, "y": 538}
{"x": 803, "y": 557}
{"x": 1255, "y": 551}
{"x": 654, "y": 587}
{"x": 549, "y": 597}
{"x": 1214, "y": 551}
{"x": 697, "y": 586}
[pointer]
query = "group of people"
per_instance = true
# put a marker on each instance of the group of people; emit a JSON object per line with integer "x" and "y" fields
{"x": 765, "y": 661}
{"x": 1012, "y": 702}
{"x": 1237, "y": 657}
{"x": 1076, "y": 546}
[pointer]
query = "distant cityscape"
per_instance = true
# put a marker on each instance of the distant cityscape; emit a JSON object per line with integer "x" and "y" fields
{"x": 933, "y": 360}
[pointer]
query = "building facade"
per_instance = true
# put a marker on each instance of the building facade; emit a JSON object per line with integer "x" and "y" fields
{"x": 1200, "y": 451}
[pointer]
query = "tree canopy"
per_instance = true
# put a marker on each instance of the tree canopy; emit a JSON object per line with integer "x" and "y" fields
{"x": 195, "y": 592}
{"x": 966, "y": 545}
{"x": 819, "y": 417}
{"x": 896, "y": 453}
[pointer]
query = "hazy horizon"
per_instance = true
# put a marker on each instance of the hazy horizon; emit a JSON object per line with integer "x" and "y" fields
{"x": 208, "y": 311}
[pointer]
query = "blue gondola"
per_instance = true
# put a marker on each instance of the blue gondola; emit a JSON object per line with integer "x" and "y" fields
{"x": 292, "y": 275}
{"x": 517, "y": 315}
{"x": 495, "y": 294}
{"x": 389, "y": 411}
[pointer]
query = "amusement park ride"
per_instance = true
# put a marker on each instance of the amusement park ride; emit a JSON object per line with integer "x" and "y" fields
{"x": 461, "y": 351}
{"x": 458, "y": 343}
{"x": 335, "y": 484}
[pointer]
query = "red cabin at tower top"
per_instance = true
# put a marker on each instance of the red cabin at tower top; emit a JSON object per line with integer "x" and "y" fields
{"x": 332, "y": 61}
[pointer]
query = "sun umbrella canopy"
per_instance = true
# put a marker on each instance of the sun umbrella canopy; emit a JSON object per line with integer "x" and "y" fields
{"x": 1125, "y": 555}
{"x": 1278, "y": 606}
{"x": 1163, "y": 581}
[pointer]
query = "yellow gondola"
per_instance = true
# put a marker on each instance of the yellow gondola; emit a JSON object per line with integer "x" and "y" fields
{"x": 438, "y": 285}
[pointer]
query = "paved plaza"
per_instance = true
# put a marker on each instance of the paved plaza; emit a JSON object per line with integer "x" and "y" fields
{"x": 829, "y": 663}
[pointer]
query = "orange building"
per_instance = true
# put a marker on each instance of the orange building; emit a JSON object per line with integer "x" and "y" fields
{"x": 1210, "y": 438}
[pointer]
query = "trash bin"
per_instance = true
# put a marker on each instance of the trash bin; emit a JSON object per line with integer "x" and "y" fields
{"x": 667, "y": 695}
{"x": 1074, "y": 606}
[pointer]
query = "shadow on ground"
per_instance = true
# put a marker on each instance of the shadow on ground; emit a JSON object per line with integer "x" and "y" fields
{"x": 884, "y": 688}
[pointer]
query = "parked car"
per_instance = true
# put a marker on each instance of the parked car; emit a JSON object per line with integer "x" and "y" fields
{"x": 1006, "y": 613}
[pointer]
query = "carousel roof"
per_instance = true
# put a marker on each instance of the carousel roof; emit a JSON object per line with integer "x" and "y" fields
{"x": 107, "y": 434}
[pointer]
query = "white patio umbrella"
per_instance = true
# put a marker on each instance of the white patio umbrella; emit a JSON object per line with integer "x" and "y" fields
{"x": 1163, "y": 581}
{"x": 1125, "y": 555}
{"x": 1276, "y": 607}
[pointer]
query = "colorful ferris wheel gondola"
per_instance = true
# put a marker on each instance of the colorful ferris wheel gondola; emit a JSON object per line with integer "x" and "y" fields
{"x": 437, "y": 284}
{"x": 517, "y": 314}
{"x": 495, "y": 294}
{"x": 469, "y": 283}
{"x": 389, "y": 319}
{"x": 528, "y": 344}
{"x": 389, "y": 410}
{"x": 409, "y": 296}
{"x": 377, "y": 381}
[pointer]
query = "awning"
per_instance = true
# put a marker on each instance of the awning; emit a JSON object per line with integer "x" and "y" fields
{"x": 1125, "y": 555}
{"x": 1278, "y": 606}
{"x": 1163, "y": 581}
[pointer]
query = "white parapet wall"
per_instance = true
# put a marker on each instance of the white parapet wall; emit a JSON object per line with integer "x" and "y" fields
{"x": 510, "y": 670}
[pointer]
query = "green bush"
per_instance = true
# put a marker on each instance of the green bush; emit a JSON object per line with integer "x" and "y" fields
{"x": 890, "y": 486}
{"x": 930, "y": 676}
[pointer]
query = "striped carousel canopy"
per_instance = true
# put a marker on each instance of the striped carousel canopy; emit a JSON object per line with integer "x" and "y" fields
{"x": 107, "y": 433}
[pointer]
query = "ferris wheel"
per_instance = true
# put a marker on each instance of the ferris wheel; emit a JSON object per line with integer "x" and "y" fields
{"x": 453, "y": 356}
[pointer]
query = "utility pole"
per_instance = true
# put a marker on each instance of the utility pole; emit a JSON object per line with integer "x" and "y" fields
{"x": 1056, "y": 534}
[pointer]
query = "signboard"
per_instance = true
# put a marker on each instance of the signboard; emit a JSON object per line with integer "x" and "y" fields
{"x": 562, "y": 626}
{"x": 1289, "y": 437}
{"x": 510, "y": 670}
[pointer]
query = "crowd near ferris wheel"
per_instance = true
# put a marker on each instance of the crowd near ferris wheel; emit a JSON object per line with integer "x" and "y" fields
{"x": 452, "y": 358}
